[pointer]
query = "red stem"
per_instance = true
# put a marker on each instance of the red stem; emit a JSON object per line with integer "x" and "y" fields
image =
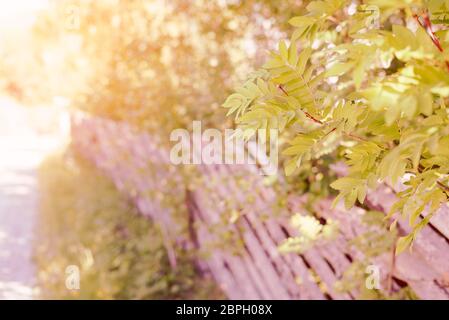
{"x": 308, "y": 115}
{"x": 427, "y": 25}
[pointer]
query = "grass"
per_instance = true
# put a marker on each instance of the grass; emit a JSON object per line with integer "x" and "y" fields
{"x": 84, "y": 221}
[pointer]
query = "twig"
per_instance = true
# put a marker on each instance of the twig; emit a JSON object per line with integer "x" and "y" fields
{"x": 169, "y": 247}
{"x": 442, "y": 186}
{"x": 427, "y": 25}
{"x": 392, "y": 267}
{"x": 330, "y": 131}
{"x": 282, "y": 89}
{"x": 355, "y": 137}
{"x": 439, "y": 183}
{"x": 308, "y": 115}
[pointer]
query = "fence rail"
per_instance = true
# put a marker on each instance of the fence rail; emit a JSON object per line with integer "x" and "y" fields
{"x": 243, "y": 256}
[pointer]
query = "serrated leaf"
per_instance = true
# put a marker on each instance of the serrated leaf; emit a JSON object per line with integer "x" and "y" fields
{"x": 302, "y": 59}
{"x": 283, "y": 50}
{"x": 338, "y": 69}
{"x": 403, "y": 243}
{"x": 302, "y": 21}
{"x": 293, "y": 54}
{"x": 290, "y": 167}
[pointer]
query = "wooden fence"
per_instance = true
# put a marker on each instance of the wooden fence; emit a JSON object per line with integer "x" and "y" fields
{"x": 233, "y": 223}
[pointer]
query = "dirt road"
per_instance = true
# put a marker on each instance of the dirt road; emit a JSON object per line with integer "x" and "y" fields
{"x": 21, "y": 151}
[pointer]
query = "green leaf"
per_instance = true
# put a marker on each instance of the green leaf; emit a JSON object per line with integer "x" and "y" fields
{"x": 290, "y": 167}
{"x": 293, "y": 54}
{"x": 283, "y": 50}
{"x": 403, "y": 243}
{"x": 338, "y": 69}
{"x": 302, "y": 21}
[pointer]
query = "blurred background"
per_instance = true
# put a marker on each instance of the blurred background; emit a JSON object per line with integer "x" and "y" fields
{"x": 156, "y": 64}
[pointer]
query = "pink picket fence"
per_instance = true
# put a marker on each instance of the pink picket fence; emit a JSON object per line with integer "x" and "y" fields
{"x": 241, "y": 253}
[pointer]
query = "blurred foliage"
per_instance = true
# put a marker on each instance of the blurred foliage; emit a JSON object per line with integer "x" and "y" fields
{"x": 157, "y": 64}
{"x": 21, "y": 68}
{"x": 372, "y": 244}
{"x": 311, "y": 233}
{"x": 85, "y": 221}
{"x": 160, "y": 64}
